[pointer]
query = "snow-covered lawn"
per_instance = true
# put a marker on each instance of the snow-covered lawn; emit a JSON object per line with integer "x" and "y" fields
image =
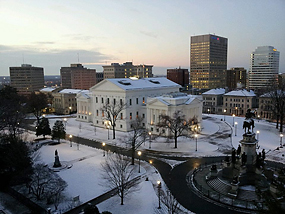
{"x": 84, "y": 177}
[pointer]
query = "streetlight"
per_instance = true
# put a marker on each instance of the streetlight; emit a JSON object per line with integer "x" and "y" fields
{"x": 108, "y": 127}
{"x": 103, "y": 145}
{"x": 70, "y": 136}
{"x": 149, "y": 140}
{"x": 196, "y": 136}
{"x": 281, "y": 136}
{"x": 70, "y": 109}
{"x": 65, "y": 121}
{"x": 257, "y": 134}
{"x": 208, "y": 111}
{"x": 233, "y": 119}
{"x": 225, "y": 111}
{"x": 139, "y": 153}
{"x": 159, "y": 189}
{"x": 236, "y": 128}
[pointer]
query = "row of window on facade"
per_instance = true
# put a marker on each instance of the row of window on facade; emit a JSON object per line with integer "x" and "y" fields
{"x": 236, "y": 105}
{"x": 236, "y": 100}
{"x": 121, "y": 101}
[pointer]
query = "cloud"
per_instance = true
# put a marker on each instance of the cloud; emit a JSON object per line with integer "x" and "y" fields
{"x": 50, "y": 59}
{"x": 150, "y": 34}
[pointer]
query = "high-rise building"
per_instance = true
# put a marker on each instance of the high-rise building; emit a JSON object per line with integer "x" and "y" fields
{"x": 27, "y": 79}
{"x": 179, "y": 76}
{"x": 236, "y": 78}
{"x": 77, "y": 77}
{"x": 208, "y": 61}
{"x": 126, "y": 70}
{"x": 264, "y": 67}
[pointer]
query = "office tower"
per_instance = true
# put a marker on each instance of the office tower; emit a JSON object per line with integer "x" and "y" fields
{"x": 27, "y": 79}
{"x": 179, "y": 76}
{"x": 77, "y": 77}
{"x": 264, "y": 67}
{"x": 236, "y": 78}
{"x": 126, "y": 70}
{"x": 208, "y": 61}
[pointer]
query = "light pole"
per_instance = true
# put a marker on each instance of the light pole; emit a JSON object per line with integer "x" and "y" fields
{"x": 103, "y": 145}
{"x": 70, "y": 109}
{"x": 208, "y": 111}
{"x": 225, "y": 111}
{"x": 236, "y": 128}
{"x": 139, "y": 153}
{"x": 257, "y": 133}
{"x": 159, "y": 189}
{"x": 196, "y": 136}
{"x": 233, "y": 120}
{"x": 108, "y": 127}
{"x": 70, "y": 137}
{"x": 149, "y": 140}
{"x": 65, "y": 121}
{"x": 281, "y": 136}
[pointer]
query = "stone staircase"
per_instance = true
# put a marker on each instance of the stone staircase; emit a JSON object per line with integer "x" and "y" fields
{"x": 219, "y": 186}
{"x": 247, "y": 195}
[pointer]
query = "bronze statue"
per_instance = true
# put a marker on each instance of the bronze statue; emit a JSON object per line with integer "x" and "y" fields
{"x": 248, "y": 122}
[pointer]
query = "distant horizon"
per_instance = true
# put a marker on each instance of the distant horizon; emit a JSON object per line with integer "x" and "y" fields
{"x": 54, "y": 34}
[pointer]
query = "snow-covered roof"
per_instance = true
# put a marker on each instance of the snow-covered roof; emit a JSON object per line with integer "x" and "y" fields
{"x": 144, "y": 83}
{"x": 216, "y": 91}
{"x": 175, "y": 99}
{"x": 47, "y": 89}
{"x": 241, "y": 93}
{"x": 85, "y": 93}
{"x": 71, "y": 91}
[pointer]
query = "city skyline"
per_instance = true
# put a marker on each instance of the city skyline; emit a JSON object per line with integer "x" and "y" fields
{"x": 52, "y": 34}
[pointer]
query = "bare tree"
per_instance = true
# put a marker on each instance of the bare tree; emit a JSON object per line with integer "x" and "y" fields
{"x": 277, "y": 94}
{"x": 45, "y": 184}
{"x": 36, "y": 103}
{"x": 136, "y": 137}
{"x": 111, "y": 113}
{"x": 119, "y": 174}
{"x": 173, "y": 207}
{"x": 177, "y": 124}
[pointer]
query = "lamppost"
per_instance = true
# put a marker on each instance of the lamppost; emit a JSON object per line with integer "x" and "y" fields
{"x": 236, "y": 128}
{"x": 208, "y": 111}
{"x": 103, "y": 145}
{"x": 70, "y": 137}
{"x": 281, "y": 136}
{"x": 139, "y": 153}
{"x": 149, "y": 140}
{"x": 225, "y": 111}
{"x": 196, "y": 136}
{"x": 159, "y": 189}
{"x": 234, "y": 119}
{"x": 70, "y": 109}
{"x": 108, "y": 127}
{"x": 65, "y": 121}
{"x": 257, "y": 134}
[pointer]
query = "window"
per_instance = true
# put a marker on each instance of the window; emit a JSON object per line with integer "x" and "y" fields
{"x": 131, "y": 116}
{"x": 137, "y": 114}
{"x": 97, "y": 113}
{"x": 121, "y": 102}
{"x": 137, "y": 101}
{"x": 96, "y": 99}
{"x": 121, "y": 116}
{"x": 102, "y": 100}
{"x": 130, "y": 102}
{"x": 151, "y": 129}
{"x": 143, "y": 101}
{"x": 102, "y": 113}
{"x": 121, "y": 126}
{"x": 157, "y": 130}
{"x": 143, "y": 124}
{"x": 108, "y": 101}
{"x": 114, "y": 101}
{"x": 143, "y": 116}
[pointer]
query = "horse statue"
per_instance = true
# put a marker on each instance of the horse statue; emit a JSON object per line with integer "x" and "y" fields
{"x": 248, "y": 122}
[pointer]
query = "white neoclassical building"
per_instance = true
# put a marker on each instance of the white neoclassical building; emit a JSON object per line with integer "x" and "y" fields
{"x": 146, "y": 97}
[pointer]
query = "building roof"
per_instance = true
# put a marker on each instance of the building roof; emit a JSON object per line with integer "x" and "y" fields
{"x": 180, "y": 98}
{"x": 70, "y": 91}
{"x": 143, "y": 83}
{"x": 241, "y": 93}
{"x": 47, "y": 89}
{"x": 216, "y": 91}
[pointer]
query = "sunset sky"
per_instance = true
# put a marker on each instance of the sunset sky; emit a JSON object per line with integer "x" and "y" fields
{"x": 55, "y": 33}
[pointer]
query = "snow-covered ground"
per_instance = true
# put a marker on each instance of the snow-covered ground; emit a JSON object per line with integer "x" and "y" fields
{"x": 84, "y": 177}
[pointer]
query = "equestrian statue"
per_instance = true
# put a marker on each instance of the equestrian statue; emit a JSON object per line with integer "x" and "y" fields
{"x": 248, "y": 122}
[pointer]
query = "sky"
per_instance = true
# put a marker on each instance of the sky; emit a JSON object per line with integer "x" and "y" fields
{"x": 53, "y": 34}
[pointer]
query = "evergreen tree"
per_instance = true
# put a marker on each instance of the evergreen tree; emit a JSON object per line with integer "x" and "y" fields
{"x": 43, "y": 128}
{"x": 58, "y": 131}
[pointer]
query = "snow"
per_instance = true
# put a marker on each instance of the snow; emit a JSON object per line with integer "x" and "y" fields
{"x": 241, "y": 93}
{"x": 216, "y": 91}
{"x": 71, "y": 91}
{"x": 84, "y": 177}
